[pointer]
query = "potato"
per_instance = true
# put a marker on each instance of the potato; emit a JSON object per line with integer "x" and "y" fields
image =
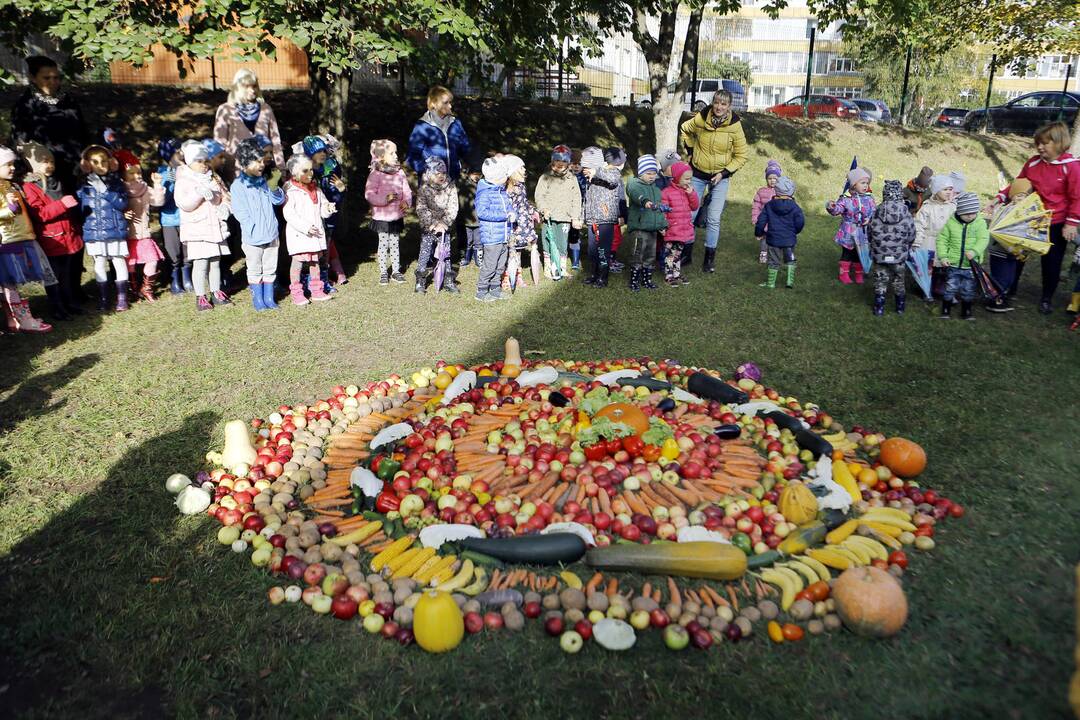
{"x": 709, "y": 612}
{"x": 403, "y": 616}
{"x": 384, "y": 596}
{"x": 573, "y": 616}
{"x": 643, "y": 603}
{"x": 718, "y": 623}
{"x": 507, "y": 608}
{"x": 692, "y": 607}
{"x": 751, "y": 613}
{"x": 832, "y": 622}
{"x": 619, "y": 600}
{"x": 331, "y": 552}
{"x": 815, "y": 627}
{"x": 745, "y": 625}
{"x": 572, "y": 599}
{"x": 532, "y": 596}
{"x": 357, "y": 579}
{"x": 686, "y": 618}
{"x": 460, "y": 599}
{"x": 374, "y": 578}
{"x": 293, "y": 543}
{"x": 313, "y": 555}
{"x": 802, "y": 610}
{"x": 673, "y": 610}
{"x": 514, "y": 620}
{"x": 726, "y": 613}
{"x": 306, "y": 492}
{"x": 404, "y": 583}
{"x": 471, "y": 605}
{"x": 309, "y": 538}
{"x": 401, "y": 594}
{"x": 552, "y": 614}
{"x": 551, "y": 602}
{"x": 597, "y": 601}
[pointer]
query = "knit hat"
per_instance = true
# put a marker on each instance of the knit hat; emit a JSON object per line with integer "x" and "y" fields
{"x": 167, "y": 147}
{"x": 614, "y": 156}
{"x": 36, "y": 154}
{"x": 264, "y": 142}
{"x": 592, "y": 158}
{"x": 7, "y": 155}
{"x": 194, "y": 151}
{"x": 967, "y": 203}
{"x": 785, "y": 186}
{"x": 645, "y": 163}
{"x": 494, "y": 170}
{"x": 248, "y": 151}
{"x": 772, "y": 168}
{"x": 512, "y": 163}
{"x": 678, "y": 170}
{"x": 380, "y": 148}
{"x": 667, "y": 158}
{"x": 213, "y": 148}
{"x": 856, "y": 175}
{"x": 125, "y": 158}
{"x": 560, "y": 153}
{"x": 939, "y": 183}
{"x": 892, "y": 191}
{"x": 313, "y": 144}
{"x": 923, "y": 178}
{"x": 434, "y": 165}
{"x": 959, "y": 181}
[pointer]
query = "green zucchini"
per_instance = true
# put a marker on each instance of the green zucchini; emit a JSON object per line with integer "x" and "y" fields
{"x": 715, "y": 561}
{"x": 764, "y": 559}
{"x": 530, "y": 549}
{"x": 480, "y": 558}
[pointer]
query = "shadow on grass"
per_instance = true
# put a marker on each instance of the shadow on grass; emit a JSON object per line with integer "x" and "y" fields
{"x": 804, "y": 139}
{"x": 33, "y": 397}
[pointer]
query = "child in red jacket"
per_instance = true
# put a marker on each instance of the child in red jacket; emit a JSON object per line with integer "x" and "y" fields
{"x": 681, "y": 201}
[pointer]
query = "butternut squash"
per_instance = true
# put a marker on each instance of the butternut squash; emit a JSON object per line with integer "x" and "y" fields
{"x": 713, "y": 561}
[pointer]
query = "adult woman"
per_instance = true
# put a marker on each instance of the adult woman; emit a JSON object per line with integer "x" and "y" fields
{"x": 1054, "y": 175}
{"x": 244, "y": 115}
{"x": 438, "y": 134}
{"x": 46, "y": 115}
{"x": 716, "y": 144}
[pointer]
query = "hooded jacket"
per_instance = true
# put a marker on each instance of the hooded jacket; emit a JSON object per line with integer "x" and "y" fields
{"x": 929, "y": 221}
{"x": 780, "y": 221}
{"x": 436, "y": 206}
{"x": 56, "y": 225}
{"x": 140, "y": 198}
{"x": 714, "y": 149}
{"x": 444, "y": 138}
{"x": 956, "y": 238}
{"x": 103, "y": 212}
{"x": 891, "y": 231}
{"x": 602, "y": 196}
{"x": 680, "y": 219}
{"x": 639, "y": 217}
{"x": 379, "y": 186}
{"x": 302, "y": 213}
{"x": 253, "y": 207}
{"x": 493, "y": 212}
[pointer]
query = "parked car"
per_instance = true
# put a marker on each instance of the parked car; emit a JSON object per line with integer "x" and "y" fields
{"x": 948, "y": 117}
{"x": 818, "y": 106}
{"x": 873, "y": 110}
{"x": 705, "y": 90}
{"x": 1027, "y": 113}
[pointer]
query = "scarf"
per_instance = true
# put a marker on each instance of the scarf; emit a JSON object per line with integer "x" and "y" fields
{"x": 718, "y": 122}
{"x": 382, "y": 167}
{"x": 47, "y": 99}
{"x": 50, "y": 185}
{"x": 312, "y": 190}
{"x": 260, "y": 183}
{"x": 207, "y": 180}
{"x": 249, "y": 113}
{"x": 443, "y": 123}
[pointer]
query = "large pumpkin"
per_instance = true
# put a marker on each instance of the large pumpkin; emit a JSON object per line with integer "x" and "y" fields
{"x": 904, "y": 457}
{"x": 798, "y": 504}
{"x": 870, "y": 601}
{"x": 626, "y": 413}
{"x": 438, "y": 625}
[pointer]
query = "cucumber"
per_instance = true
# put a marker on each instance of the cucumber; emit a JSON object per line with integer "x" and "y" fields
{"x": 706, "y": 386}
{"x": 480, "y": 558}
{"x": 715, "y": 561}
{"x": 765, "y": 559}
{"x": 530, "y": 549}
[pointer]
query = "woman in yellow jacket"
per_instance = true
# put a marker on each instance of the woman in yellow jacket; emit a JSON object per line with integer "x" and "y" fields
{"x": 715, "y": 142}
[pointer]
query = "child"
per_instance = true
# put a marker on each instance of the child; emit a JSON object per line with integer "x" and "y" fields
{"x": 390, "y": 197}
{"x": 169, "y": 216}
{"x": 890, "y": 233}
{"x": 929, "y": 221}
{"x": 917, "y": 191}
{"x": 666, "y": 158}
{"x": 523, "y": 232}
{"x": 495, "y": 215}
{"x": 601, "y": 212}
{"x": 55, "y": 223}
{"x": 253, "y": 204}
{"x": 436, "y": 209}
{"x": 573, "y": 241}
{"x": 469, "y": 230}
{"x": 204, "y": 210}
{"x": 21, "y": 259}
{"x": 645, "y": 218}
{"x": 762, "y": 196}
{"x": 306, "y": 208}
{"x": 681, "y": 201}
{"x": 215, "y": 154}
{"x": 615, "y": 158}
{"x": 330, "y": 176}
{"x": 142, "y": 250}
{"x": 964, "y": 238}
{"x": 855, "y": 210}
{"x": 104, "y": 201}
{"x": 558, "y": 199}
{"x": 780, "y": 222}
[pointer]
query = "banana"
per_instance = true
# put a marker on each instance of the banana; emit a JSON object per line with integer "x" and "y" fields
{"x": 886, "y": 539}
{"x": 830, "y": 558}
{"x": 479, "y": 584}
{"x": 882, "y": 511}
{"x": 863, "y": 553}
{"x": 805, "y": 570}
{"x": 890, "y": 520}
{"x": 876, "y": 549}
{"x": 458, "y": 581}
{"x": 841, "y": 532}
{"x": 571, "y": 580}
{"x": 816, "y": 565}
{"x": 796, "y": 579}
{"x": 399, "y": 546}
{"x": 856, "y": 558}
{"x": 773, "y": 576}
{"x": 892, "y": 531}
{"x": 424, "y": 574}
{"x": 835, "y": 438}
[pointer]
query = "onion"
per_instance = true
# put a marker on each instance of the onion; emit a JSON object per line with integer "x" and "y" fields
{"x": 177, "y": 482}
{"x": 292, "y": 593}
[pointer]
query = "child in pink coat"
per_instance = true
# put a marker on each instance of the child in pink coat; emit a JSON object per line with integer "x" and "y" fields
{"x": 390, "y": 197}
{"x": 142, "y": 250}
{"x": 306, "y": 209}
{"x": 204, "y": 209}
{"x": 761, "y": 198}
{"x": 680, "y": 202}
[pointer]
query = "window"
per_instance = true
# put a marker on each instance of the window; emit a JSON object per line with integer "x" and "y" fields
{"x": 841, "y": 65}
{"x": 797, "y": 100}
{"x": 1052, "y": 66}
{"x": 1028, "y": 101}
{"x": 1053, "y": 100}
{"x": 708, "y": 86}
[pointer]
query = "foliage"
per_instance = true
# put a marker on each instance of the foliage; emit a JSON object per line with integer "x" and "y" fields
{"x": 726, "y": 68}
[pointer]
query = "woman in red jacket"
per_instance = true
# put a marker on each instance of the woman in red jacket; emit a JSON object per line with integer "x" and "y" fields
{"x": 1055, "y": 175}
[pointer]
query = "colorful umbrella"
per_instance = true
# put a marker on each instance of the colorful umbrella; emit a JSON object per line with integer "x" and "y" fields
{"x": 919, "y": 264}
{"x": 987, "y": 286}
{"x": 442, "y": 259}
{"x": 552, "y": 250}
{"x": 1022, "y": 227}
{"x": 864, "y": 255}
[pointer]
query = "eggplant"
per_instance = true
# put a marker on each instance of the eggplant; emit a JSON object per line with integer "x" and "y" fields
{"x": 557, "y": 399}
{"x": 530, "y": 549}
{"x": 711, "y": 388}
{"x": 783, "y": 420}
{"x": 665, "y": 405}
{"x": 813, "y": 442}
{"x": 483, "y": 380}
{"x": 727, "y": 432}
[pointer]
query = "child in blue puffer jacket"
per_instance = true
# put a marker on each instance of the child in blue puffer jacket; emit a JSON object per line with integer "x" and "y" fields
{"x": 780, "y": 222}
{"x": 104, "y": 201}
{"x": 169, "y": 217}
{"x": 495, "y": 214}
{"x": 253, "y": 203}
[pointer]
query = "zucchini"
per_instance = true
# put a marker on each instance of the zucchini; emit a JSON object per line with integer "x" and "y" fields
{"x": 645, "y": 382}
{"x": 530, "y": 549}
{"x": 480, "y": 558}
{"x": 764, "y": 559}
{"x": 713, "y": 561}
{"x": 573, "y": 378}
{"x": 711, "y": 388}
{"x": 805, "y": 536}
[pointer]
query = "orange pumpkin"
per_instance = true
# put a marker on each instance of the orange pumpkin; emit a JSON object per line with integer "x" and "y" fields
{"x": 870, "y": 602}
{"x": 626, "y": 413}
{"x": 904, "y": 457}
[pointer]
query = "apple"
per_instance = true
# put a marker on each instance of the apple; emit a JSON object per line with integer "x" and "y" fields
{"x": 389, "y": 629}
{"x": 334, "y": 584}
{"x": 474, "y": 623}
{"x": 676, "y": 637}
{"x": 639, "y": 619}
{"x": 343, "y": 607}
{"x": 659, "y": 619}
{"x": 701, "y": 638}
{"x": 571, "y": 642}
{"x": 532, "y": 610}
{"x": 552, "y": 626}
{"x": 322, "y": 604}
{"x": 493, "y": 620}
{"x": 314, "y": 574}
{"x": 374, "y": 622}
{"x": 277, "y": 595}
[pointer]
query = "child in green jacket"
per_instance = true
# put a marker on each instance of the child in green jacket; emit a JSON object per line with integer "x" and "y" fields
{"x": 964, "y": 238}
{"x": 645, "y": 218}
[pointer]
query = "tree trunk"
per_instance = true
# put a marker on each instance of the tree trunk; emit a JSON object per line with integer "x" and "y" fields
{"x": 331, "y": 99}
{"x": 666, "y": 105}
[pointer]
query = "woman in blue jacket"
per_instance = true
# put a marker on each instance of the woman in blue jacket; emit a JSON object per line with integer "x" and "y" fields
{"x": 438, "y": 134}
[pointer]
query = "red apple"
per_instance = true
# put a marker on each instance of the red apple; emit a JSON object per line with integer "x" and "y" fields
{"x": 343, "y": 607}
{"x": 493, "y": 620}
{"x": 584, "y": 629}
{"x": 554, "y": 626}
{"x": 474, "y": 623}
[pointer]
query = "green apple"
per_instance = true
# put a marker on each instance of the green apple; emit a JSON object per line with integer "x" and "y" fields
{"x": 617, "y": 612}
{"x": 571, "y": 642}
{"x": 639, "y": 619}
{"x": 595, "y": 616}
{"x": 373, "y": 622}
{"x": 228, "y": 534}
{"x": 321, "y": 604}
{"x": 676, "y": 637}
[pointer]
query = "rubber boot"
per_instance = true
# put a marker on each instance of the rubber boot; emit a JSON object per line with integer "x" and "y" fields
{"x": 602, "y": 277}
{"x": 267, "y": 290}
{"x": 575, "y": 256}
{"x": 594, "y": 275}
{"x": 770, "y": 279}
{"x": 185, "y": 273}
{"x": 467, "y": 255}
{"x": 790, "y": 276}
{"x": 257, "y": 296}
{"x": 901, "y": 303}
{"x": 146, "y": 291}
{"x": 709, "y": 265}
{"x": 175, "y": 287}
{"x": 449, "y": 283}
{"x": 687, "y": 254}
{"x": 421, "y": 283}
{"x": 202, "y": 304}
{"x": 635, "y": 278}
{"x": 296, "y": 292}
{"x": 646, "y": 279}
{"x": 324, "y": 275}
{"x": 879, "y": 305}
{"x": 103, "y": 296}
{"x": 965, "y": 310}
{"x": 133, "y": 283}
{"x": 317, "y": 292}
{"x": 845, "y": 272}
{"x": 56, "y": 304}
{"x": 25, "y": 322}
{"x": 121, "y": 296}
{"x": 1074, "y": 303}
{"x": 339, "y": 271}
{"x": 946, "y": 310}
{"x": 858, "y": 273}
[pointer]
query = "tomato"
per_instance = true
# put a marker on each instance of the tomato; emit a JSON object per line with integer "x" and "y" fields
{"x": 925, "y": 530}
{"x": 804, "y": 595}
{"x": 818, "y": 591}
{"x": 613, "y": 446}
{"x": 956, "y": 510}
{"x": 651, "y": 453}
{"x": 898, "y": 557}
{"x": 596, "y": 452}
{"x": 633, "y": 445}
{"x": 879, "y": 564}
{"x": 792, "y": 632}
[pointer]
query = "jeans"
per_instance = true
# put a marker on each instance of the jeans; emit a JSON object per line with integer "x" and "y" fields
{"x": 960, "y": 284}
{"x": 601, "y": 236}
{"x": 715, "y": 210}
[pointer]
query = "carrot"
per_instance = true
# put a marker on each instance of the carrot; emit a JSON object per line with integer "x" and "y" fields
{"x": 670, "y": 498}
{"x": 657, "y": 596}
{"x": 553, "y": 583}
{"x": 717, "y": 597}
{"x": 646, "y": 590}
{"x": 495, "y": 575}
{"x": 376, "y": 538}
{"x": 605, "y": 502}
{"x": 745, "y": 587}
{"x": 545, "y": 484}
{"x": 580, "y": 494}
{"x": 734, "y": 600}
{"x": 612, "y": 587}
{"x": 650, "y": 494}
{"x": 634, "y": 503}
{"x": 694, "y": 596}
{"x": 673, "y": 591}
{"x": 706, "y": 599}
{"x": 594, "y": 505}
{"x": 594, "y": 582}
{"x": 686, "y": 495}
{"x": 320, "y": 504}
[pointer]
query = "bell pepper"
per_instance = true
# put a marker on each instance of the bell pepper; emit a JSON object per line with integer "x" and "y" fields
{"x": 596, "y": 452}
{"x": 388, "y": 467}
{"x": 651, "y": 453}
{"x": 583, "y": 421}
{"x": 613, "y": 446}
{"x": 387, "y": 501}
{"x": 670, "y": 449}
{"x": 633, "y": 445}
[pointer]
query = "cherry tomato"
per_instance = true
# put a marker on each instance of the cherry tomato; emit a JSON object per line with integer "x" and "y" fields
{"x": 925, "y": 530}
{"x": 879, "y": 564}
{"x": 792, "y": 632}
{"x": 956, "y": 511}
{"x": 818, "y": 591}
{"x": 776, "y": 632}
{"x": 898, "y": 557}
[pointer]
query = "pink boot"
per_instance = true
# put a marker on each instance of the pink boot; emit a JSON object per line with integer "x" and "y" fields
{"x": 318, "y": 291}
{"x": 845, "y": 272}
{"x": 296, "y": 292}
{"x": 858, "y": 274}
{"x": 25, "y": 322}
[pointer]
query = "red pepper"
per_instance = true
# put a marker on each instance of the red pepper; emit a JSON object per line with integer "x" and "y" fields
{"x": 387, "y": 501}
{"x": 633, "y": 445}
{"x": 596, "y": 452}
{"x": 613, "y": 446}
{"x": 375, "y": 462}
{"x": 651, "y": 453}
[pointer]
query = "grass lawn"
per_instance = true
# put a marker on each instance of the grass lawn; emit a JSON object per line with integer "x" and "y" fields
{"x": 95, "y": 415}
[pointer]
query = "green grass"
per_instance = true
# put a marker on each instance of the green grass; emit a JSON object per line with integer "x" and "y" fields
{"x": 95, "y": 415}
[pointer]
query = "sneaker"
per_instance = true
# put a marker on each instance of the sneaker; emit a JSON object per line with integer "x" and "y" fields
{"x": 384, "y": 279}
{"x": 499, "y": 295}
{"x": 220, "y": 298}
{"x": 683, "y": 280}
{"x": 202, "y": 304}
{"x": 673, "y": 282}
{"x": 484, "y": 297}
{"x": 398, "y": 277}
{"x": 1044, "y": 307}
{"x": 999, "y": 306}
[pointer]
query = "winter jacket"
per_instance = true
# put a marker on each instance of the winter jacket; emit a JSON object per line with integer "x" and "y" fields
{"x": 444, "y": 138}
{"x": 855, "y": 212}
{"x": 15, "y": 225}
{"x": 253, "y": 207}
{"x": 780, "y": 221}
{"x": 56, "y": 225}
{"x": 956, "y": 238}
{"x": 103, "y": 212}
{"x": 523, "y": 229}
{"x": 639, "y": 217}
{"x": 1058, "y": 184}
{"x": 229, "y": 129}
{"x": 436, "y": 206}
{"x": 202, "y": 229}
{"x": 891, "y": 233}
{"x": 929, "y": 221}
{"x": 467, "y": 202}
{"x": 379, "y": 186}
{"x": 761, "y": 197}
{"x": 680, "y": 219}
{"x": 140, "y": 198}
{"x": 602, "y": 197}
{"x": 303, "y": 213}
{"x": 169, "y": 215}
{"x": 559, "y": 197}
{"x": 914, "y": 197}
{"x": 59, "y": 127}
{"x": 494, "y": 212}
{"x": 326, "y": 184}
{"x": 714, "y": 149}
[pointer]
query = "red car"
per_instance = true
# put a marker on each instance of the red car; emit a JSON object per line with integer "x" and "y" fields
{"x": 819, "y": 106}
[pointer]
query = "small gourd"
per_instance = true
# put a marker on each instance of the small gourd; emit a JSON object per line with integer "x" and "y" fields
{"x": 798, "y": 504}
{"x": 238, "y": 448}
{"x": 512, "y": 352}
{"x": 437, "y": 622}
